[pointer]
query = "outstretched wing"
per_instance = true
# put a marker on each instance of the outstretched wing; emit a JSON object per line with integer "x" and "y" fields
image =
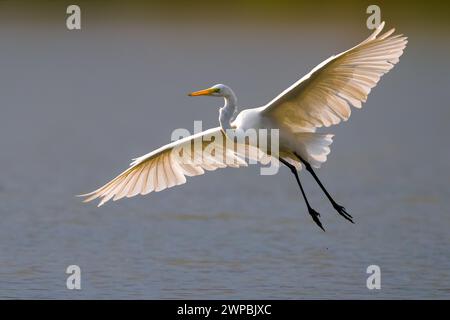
{"x": 169, "y": 165}
{"x": 323, "y": 97}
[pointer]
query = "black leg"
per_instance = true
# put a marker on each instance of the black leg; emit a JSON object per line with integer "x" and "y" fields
{"x": 340, "y": 209}
{"x": 314, "y": 214}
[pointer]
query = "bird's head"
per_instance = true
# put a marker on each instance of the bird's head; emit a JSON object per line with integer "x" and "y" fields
{"x": 218, "y": 90}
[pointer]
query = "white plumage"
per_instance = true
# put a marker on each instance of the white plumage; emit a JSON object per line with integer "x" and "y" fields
{"x": 323, "y": 97}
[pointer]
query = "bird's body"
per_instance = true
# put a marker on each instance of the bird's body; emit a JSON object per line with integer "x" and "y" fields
{"x": 323, "y": 97}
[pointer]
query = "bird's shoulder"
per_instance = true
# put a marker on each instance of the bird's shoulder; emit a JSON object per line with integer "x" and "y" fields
{"x": 248, "y": 118}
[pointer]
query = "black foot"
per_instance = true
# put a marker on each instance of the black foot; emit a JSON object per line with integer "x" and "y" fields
{"x": 341, "y": 210}
{"x": 315, "y": 216}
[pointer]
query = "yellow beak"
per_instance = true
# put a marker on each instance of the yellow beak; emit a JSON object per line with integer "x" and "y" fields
{"x": 205, "y": 92}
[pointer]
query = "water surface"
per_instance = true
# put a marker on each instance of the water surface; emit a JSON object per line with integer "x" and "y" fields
{"x": 76, "y": 107}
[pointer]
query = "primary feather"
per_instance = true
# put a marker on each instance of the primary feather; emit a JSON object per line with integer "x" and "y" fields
{"x": 324, "y": 96}
{"x": 167, "y": 167}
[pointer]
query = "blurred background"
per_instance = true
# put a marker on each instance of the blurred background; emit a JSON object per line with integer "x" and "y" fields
{"x": 76, "y": 106}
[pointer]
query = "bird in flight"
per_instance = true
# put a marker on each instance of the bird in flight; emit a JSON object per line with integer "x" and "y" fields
{"x": 321, "y": 98}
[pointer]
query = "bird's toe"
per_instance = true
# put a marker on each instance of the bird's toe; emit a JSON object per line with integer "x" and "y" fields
{"x": 343, "y": 212}
{"x": 315, "y": 216}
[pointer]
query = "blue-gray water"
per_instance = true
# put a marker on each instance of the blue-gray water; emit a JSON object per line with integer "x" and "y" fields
{"x": 77, "y": 106}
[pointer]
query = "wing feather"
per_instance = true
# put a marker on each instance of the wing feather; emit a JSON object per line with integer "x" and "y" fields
{"x": 324, "y": 96}
{"x": 166, "y": 167}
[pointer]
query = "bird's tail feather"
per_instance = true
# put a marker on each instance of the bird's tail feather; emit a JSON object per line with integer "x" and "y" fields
{"x": 314, "y": 147}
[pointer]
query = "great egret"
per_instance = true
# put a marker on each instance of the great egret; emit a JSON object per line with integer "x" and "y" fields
{"x": 321, "y": 98}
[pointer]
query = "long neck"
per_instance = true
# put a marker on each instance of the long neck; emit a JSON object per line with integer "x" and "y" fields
{"x": 227, "y": 111}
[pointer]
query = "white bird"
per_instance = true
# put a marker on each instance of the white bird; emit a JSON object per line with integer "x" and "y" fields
{"x": 323, "y": 97}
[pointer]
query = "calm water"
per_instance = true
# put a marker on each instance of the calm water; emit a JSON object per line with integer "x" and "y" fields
{"x": 76, "y": 107}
